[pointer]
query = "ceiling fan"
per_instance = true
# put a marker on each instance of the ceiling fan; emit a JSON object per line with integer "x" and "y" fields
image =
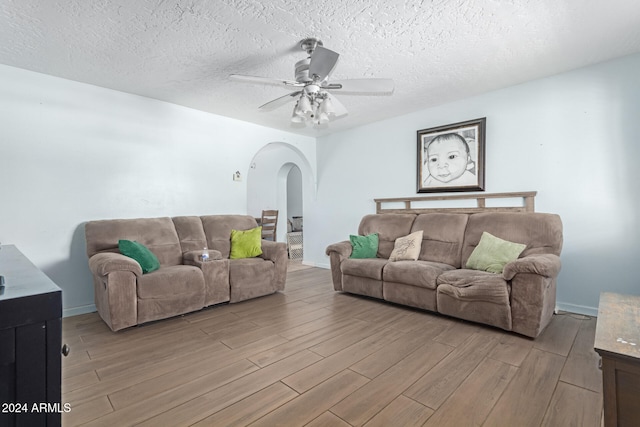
{"x": 313, "y": 92}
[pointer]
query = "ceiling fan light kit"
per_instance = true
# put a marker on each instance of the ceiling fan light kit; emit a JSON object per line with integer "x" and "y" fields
{"x": 315, "y": 104}
{"x": 314, "y": 108}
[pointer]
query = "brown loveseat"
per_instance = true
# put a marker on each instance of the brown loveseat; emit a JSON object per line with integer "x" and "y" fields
{"x": 125, "y": 297}
{"x": 521, "y": 299}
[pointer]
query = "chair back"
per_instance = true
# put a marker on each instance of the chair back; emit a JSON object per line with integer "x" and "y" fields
{"x": 269, "y": 222}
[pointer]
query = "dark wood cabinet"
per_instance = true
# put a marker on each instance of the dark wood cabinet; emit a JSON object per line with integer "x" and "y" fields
{"x": 30, "y": 343}
{"x": 618, "y": 343}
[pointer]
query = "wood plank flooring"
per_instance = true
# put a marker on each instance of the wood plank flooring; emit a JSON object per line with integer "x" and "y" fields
{"x": 310, "y": 356}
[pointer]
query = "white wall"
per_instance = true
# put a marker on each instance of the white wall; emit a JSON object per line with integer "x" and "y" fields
{"x": 71, "y": 152}
{"x": 574, "y": 137}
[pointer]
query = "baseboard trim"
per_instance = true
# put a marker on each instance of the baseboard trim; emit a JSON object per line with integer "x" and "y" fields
{"x": 75, "y": 311}
{"x": 316, "y": 264}
{"x": 578, "y": 309}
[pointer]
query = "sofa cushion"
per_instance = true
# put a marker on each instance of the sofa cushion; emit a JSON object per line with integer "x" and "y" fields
{"x": 157, "y": 234}
{"x": 218, "y": 230}
{"x": 388, "y": 227}
{"x": 190, "y": 233}
{"x": 250, "y": 278}
{"x": 364, "y": 246}
{"x": 493, "y": 253}
{"x": 362, "y": 286}
{"x": 416, "y": 273}
{"x": 369, "y": 267}
{"x": 443, "y": 236}
{"x": 246, "y": 243}
{"x": 407, "y": 248}
{"x": 475, "y": 295}
{"x": 171, "y": 281}
{"x": 412, "y": 296}
{"x": 541, "y": 232}
{"x": 141, "y": 254}
{"x": 474, "y": 285}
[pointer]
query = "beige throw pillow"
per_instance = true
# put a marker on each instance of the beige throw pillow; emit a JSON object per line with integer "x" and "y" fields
{"x": 407, "y": 247}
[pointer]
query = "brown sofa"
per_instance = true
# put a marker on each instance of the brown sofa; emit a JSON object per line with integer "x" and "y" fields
{"x": 521, "y": 299}
{"x": 125, "y": 297}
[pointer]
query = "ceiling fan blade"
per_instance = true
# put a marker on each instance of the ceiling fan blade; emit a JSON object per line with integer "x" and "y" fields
{"x": 322, "y": 63}
{"x": 363, "y": 86}
{"x": 265, "y": 80}
{"x": 279, "y": 102}
{"x": 338, "y": 109}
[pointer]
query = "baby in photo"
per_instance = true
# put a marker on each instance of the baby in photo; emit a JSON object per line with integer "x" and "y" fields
{"x": 449, "y": 162}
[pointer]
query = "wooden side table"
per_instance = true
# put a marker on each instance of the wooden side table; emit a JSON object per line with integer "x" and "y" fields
{"x": 618, "y": 343}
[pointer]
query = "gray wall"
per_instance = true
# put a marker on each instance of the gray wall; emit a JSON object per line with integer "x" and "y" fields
{"x": 573, "y": 137}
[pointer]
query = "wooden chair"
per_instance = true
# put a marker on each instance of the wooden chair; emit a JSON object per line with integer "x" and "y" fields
{"x": 269, "y": 221}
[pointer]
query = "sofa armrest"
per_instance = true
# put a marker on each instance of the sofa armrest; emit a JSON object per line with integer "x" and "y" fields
{"x": 104, "y": 263}
{"x": 273, "y": 251}
{"x": 277, "y": 253}
{"x": 342, "y": 249}
{"x": 193, "y": 257}
{"x": 533, "y": 292}
{"x": 338, "y": 252}
{"x": 115, "y": 278}
{"x": 547, "y": 265}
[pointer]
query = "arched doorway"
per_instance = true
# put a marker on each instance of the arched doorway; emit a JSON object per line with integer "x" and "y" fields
{"x": 280, "y": 172}
{"x": 294, "y": 198}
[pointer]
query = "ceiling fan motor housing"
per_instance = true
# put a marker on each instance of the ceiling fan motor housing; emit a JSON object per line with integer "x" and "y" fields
{"x": 302, "y": 67}
{"x": 302, "y": 71}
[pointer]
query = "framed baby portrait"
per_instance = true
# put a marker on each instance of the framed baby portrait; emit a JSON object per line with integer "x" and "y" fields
{"x": 451, "y": 157}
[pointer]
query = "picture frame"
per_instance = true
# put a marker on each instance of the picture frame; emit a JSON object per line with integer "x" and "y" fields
{"x": 451, "y": 157}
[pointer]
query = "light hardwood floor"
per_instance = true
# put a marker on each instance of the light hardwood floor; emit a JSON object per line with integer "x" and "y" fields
{"x": 312, "y": 356}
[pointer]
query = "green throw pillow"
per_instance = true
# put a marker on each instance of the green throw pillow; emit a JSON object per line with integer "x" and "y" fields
{"x": 493, "y": 253}
{"x": 364, "y": 246}
{"x": 139, "y": 252}
{"x": 246, "y": 243}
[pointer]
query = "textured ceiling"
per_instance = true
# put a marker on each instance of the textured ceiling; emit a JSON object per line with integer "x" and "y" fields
{"x": 182, "y": 51}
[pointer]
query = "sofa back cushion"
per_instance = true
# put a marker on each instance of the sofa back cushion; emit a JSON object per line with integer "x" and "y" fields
{"x": 217, "y": 229}
{"x": 157, "y": 234}
{"x": 541, "y": 232}
{"x": 443, "y": 236}
{"x": 190, "y": 233}
{"x": 389, "y": 227}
